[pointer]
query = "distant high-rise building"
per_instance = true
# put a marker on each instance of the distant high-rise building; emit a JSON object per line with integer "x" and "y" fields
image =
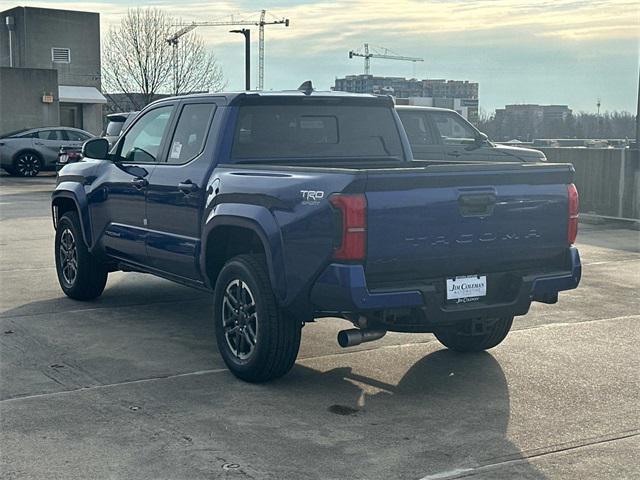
{"x": 533, "y": 112}
{"x": 449, "y": 88}
{"x": 401, "y": 87}
{"x": 459, "y": 95}
{"x": 528, "y": 121}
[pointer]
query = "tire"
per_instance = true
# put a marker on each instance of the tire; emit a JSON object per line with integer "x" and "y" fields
{"x": 257, "y": 341}
{"x": 460, "y": 339}
{"x": 27, "y": 164}
{"x": 88, "y": 279}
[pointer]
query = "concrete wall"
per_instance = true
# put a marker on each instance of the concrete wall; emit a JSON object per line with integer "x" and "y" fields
{"x": 92, "y": 118}
{"x": 28, "y": 85}
{"x": 37, "y": 30}
{"x": 608, "y": 179}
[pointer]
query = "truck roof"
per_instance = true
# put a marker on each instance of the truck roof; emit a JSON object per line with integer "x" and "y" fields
{"x": 423, "y": 108}
{"x": 233, "y": 97}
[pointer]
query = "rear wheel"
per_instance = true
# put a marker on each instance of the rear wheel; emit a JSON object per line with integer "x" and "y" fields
{"x": 80, "y": 274}
{"x": 257, "y": 341}
{"x": 27, "y": 164}
{"x": 474, "y": 335}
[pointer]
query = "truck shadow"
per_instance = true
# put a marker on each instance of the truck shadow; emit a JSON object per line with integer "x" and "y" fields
{"x": 451, "y": 410}
{"x": 425, "y": 414}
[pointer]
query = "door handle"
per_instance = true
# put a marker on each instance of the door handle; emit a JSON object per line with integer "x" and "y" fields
{"x": 187, "y": 187}
{"x": 455, "y": 153}
{"x": 140, "y": 183}
{"x": 474, "y": 205}
{"x": 37, "y": 143}
{"x": 477, "y": 200}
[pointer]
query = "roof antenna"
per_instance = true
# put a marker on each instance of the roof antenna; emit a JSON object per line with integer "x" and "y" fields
{"x": 306, "y": 87}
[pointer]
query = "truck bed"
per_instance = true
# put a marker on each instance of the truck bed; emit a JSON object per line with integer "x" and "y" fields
{"x": 438, "y": 219}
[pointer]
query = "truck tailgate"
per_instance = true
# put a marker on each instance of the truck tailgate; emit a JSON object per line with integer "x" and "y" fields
{"x": 449, "y": 220}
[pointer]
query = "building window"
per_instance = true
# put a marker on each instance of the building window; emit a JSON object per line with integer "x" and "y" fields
{"x": 60, "y": 55}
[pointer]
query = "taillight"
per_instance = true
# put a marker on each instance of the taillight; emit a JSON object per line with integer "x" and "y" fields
{"x": 572, "y": 231}
{"x": 353, "y": 243}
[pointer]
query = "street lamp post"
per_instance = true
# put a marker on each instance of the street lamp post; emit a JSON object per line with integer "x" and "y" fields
{"x": 247, "y": 56}
{"x": 638, "y": 118}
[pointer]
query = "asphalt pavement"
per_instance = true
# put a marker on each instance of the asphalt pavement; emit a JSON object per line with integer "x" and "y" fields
{"x": 131, "y": 386}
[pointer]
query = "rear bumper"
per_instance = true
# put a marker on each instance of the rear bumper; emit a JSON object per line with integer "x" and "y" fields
{"x": 342, "y": 288}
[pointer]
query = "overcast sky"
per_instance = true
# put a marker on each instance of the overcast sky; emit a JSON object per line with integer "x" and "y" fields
{"x": 557, "y": 51}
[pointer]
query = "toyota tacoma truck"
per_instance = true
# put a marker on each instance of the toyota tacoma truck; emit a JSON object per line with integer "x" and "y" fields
{"x": 293, "y": 206}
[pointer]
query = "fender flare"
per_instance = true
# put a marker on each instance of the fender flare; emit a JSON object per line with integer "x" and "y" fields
{"x": 259, "y": 220}
{"x": 76, "y": 193}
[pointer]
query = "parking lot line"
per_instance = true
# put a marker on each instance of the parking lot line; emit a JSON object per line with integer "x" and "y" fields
{"x": 301, "y": 361}
{"x": 109, "y": 385}
{"x": 525, "y": 458}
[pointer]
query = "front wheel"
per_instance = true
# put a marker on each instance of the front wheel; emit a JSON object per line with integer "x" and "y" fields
{"x": 257, "y": 341}
{"x": 474, "y": 335}
{"x": 80, "y": 274}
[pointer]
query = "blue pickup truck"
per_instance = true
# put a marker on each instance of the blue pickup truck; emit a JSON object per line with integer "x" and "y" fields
{"x": 293, "y": 206}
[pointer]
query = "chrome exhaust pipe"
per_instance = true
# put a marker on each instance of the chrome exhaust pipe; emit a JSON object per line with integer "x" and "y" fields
{"x": 356, "y": 336}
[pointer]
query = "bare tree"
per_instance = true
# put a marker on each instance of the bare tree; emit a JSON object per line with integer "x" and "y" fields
{"x": 195, "y": 69}
{"x": 615, "y": 124}
{"x": 135, "y": 55}
{"x": 138, "y": 61}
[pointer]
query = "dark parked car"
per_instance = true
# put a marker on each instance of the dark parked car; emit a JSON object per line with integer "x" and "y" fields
{"x": 27, "y": 152}
{"x": 440, "y": 134}
{"x": 68, "y": 155}
{"x": 293, "y": 206}
{"x": 117, "y": 123}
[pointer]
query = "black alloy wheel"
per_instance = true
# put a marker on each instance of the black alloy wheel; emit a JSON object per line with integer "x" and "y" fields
{"x": 27, "y": 164}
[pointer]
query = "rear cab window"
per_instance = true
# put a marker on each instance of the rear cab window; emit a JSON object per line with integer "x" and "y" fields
{"x": 312, "y": 128}
{"x": 114, "y": 128}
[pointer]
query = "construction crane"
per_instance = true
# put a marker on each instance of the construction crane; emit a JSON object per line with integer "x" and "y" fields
{"x": 173, "y": 41}
{"x": 261, "y": 22}
{"x": 379, "y": 52}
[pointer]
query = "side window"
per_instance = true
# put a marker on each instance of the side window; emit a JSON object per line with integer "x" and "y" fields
{"x": 417, "y": 128}
{"x": 191, "y": 131}
{"x": 50, "y": 135}
{"x": 452, "y": 128}
{"x": 74, "y": 136}
{"x": 142, "y": 143}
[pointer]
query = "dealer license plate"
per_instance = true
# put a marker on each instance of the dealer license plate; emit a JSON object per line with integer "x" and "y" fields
{"x": 466, "y": 289}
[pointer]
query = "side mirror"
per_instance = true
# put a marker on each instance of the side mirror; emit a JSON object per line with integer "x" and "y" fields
{"x": 96, "y": 148}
